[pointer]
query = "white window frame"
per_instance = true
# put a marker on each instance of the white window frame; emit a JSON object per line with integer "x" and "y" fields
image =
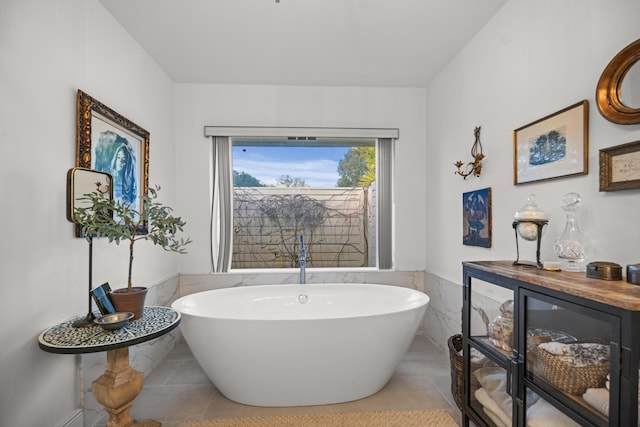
{"x": 221, "y": 182}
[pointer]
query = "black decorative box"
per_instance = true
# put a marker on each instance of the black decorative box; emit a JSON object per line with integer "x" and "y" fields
{"x": 604, "y": 270}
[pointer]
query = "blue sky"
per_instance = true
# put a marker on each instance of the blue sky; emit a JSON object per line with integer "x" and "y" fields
{"x": 317, "y": 166}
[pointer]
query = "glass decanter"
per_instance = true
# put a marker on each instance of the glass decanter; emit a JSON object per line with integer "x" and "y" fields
{"x": 572, "y": 247}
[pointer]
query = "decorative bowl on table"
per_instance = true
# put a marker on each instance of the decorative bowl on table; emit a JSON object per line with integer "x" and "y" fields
{"x": 114, "y": 320}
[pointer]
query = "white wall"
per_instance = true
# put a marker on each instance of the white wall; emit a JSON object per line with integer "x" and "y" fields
{"x": 222, "y": 105}
{"x": 48, "y": 50}
{"x": 532, "y": 59}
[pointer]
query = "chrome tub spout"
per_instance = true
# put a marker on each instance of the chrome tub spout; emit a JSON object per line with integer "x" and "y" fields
{"x": 303, "y": 261}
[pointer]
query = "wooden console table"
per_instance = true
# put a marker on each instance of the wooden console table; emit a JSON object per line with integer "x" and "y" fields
{"x": 120, "y": 384}
{"x": 562, "y": 306}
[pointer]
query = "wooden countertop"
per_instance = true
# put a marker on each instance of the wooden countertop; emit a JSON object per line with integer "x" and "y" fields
{"x": 618, "y": 293}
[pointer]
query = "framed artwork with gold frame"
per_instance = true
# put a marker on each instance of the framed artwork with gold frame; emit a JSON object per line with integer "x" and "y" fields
{"x": 107, "y": 141}
{"x": 476, "y": 218}
{"x": 552, "y": 147}
{"x": 620, "y": 167}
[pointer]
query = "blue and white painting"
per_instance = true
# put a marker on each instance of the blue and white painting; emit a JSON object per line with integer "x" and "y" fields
{"x": 118, "y": 153}
{"x": 552, "y": 147}
{"x": 548, "y": 148}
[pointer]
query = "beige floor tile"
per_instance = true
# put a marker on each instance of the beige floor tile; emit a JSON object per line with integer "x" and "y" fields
{"x": 180, "y": 352}
{"x": 188, "y": 372}
{"x": 178, "y": 390}
{"x": 162, "y": 373}
{"x": 173, "y": 402}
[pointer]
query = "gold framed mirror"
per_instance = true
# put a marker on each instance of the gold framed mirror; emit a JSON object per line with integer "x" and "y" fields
{"x": 81, "y": 181}
{"x": 618, "y": 90}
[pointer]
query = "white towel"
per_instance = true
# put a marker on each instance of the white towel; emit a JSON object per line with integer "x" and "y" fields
{"x": 475, "y": 356}
{"x": 598, "y": 398}
{"x": 496, "y": 420}
{"x": 497, "y": 402}
{"x": 544, "y": 414}
{"x": 494, "y": 381}
{"x": 490, "y": 406}
{"x": 492, "y": 378}
{"x": 540, "y": 414}
{"x": 607, "y": 383}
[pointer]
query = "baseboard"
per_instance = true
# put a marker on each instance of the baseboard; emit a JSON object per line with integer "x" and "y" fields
{"x": 75, "y": 419}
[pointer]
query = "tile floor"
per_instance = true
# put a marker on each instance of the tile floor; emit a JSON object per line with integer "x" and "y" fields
{"x": 177, "y": 390}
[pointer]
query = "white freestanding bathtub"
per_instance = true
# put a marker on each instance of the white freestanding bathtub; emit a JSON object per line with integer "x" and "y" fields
{"x": 298, "y": 345}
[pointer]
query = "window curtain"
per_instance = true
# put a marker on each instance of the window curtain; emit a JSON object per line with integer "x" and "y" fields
{"x": 385, "y": 203}
{"x": 221, "y": 205}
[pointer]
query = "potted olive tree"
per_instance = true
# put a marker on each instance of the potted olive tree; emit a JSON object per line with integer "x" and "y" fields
{"x": 103, "y": 216}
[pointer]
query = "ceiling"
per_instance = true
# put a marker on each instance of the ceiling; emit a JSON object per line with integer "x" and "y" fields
{"x": 380, "y": 43}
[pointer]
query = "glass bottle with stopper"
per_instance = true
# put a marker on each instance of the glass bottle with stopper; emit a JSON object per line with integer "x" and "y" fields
{"x": 572, "y": 247}
{"x": 528, "y": 223}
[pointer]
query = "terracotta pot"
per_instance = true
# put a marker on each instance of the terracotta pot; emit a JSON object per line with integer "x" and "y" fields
{"x": 132, "y": 301}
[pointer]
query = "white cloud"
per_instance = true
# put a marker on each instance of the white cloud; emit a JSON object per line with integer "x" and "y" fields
{"x": 316, "y": 173}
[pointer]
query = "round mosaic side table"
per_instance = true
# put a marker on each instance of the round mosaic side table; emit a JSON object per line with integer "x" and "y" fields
{"x": 120, "y": 384}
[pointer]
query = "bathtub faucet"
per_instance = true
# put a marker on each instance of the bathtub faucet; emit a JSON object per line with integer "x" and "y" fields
{"x": 303, "y": 260}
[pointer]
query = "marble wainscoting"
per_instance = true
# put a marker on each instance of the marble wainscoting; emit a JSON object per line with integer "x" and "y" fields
{"x": 443, "y": 317}
{"x": 192, "y": 283}
{"x": 142, "y": 357}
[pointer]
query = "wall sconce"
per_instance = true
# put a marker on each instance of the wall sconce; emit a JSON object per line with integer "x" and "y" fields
{"x": 474, "y": 167}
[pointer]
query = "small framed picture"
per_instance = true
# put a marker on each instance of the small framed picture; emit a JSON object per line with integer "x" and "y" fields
{"x": 620, "y": 167}
{"x": 476, "y": 218}
{"x": 552, "y": 147}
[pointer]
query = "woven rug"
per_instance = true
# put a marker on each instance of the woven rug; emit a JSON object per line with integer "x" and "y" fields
{"x": 438, "y": 418}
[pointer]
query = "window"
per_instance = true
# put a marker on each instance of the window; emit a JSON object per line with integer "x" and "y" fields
{"x": 269, "y": 188}
{"x": 323, "y": 189}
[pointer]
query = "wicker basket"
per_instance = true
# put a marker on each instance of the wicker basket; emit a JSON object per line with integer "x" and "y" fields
{"x": 455, "y": 356}
{"x": 455, "y": 345}
{"x": 570, "y": 379}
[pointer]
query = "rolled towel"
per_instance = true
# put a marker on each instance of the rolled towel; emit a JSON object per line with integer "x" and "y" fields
{"x": 607, "y": 383}
{"x": 598, "y": 398}
{"x": 543, "y": 414}
{"x": 476, "y": 356}
{"x": 494, "y": 417}
{"x": 492, "y": 378}
{"x": 497, "y": 414}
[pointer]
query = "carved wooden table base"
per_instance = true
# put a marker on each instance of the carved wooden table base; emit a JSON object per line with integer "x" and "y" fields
{"x": 117, "y": 388}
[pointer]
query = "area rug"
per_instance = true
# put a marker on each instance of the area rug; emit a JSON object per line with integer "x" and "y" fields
{"x": 438, "y": 418}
